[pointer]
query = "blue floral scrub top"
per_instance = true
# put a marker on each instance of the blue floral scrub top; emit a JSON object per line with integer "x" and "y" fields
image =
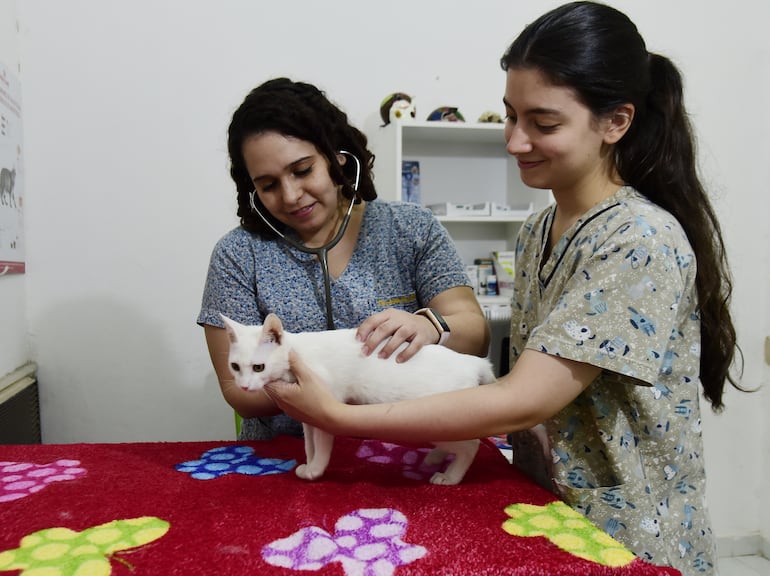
{"x": 618, "y": 291}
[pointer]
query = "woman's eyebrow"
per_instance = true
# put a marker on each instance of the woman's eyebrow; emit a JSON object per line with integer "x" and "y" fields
{"x": 534, "y": 111}
{"x": 289, "y": 166}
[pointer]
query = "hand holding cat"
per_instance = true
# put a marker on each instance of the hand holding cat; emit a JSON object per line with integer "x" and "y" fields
{"x": 308, "y": 399}
{"x": 401, "y": 327}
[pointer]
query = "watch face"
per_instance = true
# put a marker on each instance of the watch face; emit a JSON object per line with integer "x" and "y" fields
{"x": 440, "y": 319}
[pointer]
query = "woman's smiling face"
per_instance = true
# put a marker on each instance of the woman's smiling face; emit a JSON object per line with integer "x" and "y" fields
{"x": 291, "y": 178}
{"x": 554, "y": 136}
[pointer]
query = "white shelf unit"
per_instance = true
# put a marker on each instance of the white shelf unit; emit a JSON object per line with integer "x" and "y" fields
{"x": 460, "y": 162}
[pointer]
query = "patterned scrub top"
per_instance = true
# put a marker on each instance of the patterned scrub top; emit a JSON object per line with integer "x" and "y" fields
{"x": 403, "y": 259}
{"x": 618, "y": 292}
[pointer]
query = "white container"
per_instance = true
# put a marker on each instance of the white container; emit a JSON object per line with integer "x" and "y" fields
{"x": 503, "y": 210}
{"x": 462, "y": 210}
{"x": 491, "y": 285}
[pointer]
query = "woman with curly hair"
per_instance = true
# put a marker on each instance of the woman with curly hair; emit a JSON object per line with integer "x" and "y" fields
{"x": 316, "y": 248}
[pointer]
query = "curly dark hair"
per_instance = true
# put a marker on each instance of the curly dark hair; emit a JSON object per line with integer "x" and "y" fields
{"x": 302, "y": 111}
{"x": 598, "y": 52}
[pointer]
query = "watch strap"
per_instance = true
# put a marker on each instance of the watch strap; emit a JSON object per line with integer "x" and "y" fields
{"x": 438, "y": 323}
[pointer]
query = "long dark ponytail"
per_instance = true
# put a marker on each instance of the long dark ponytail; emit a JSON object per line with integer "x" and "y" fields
{"x": 598, "y": 52}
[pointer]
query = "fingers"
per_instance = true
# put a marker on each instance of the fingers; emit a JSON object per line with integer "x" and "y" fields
{"x": 297, "y": 365}
{"x": 280, "y": 390}
{"x": 395, "y": 330}
{"x": 308, "y": 399}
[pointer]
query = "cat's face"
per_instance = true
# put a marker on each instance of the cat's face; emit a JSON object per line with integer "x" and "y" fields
{"x": 256, "y": 355}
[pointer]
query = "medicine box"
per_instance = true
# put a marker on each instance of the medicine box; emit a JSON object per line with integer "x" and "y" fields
{"x": 486, "y": 268}
{"x": 450, "y": 209}
{"x": 410, "y": 181}
{"x": 504, "y": 265}
{"x": 504, "y": 261}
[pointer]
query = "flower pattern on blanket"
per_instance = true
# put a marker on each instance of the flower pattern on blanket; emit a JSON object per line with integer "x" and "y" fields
{"x": 233, "y": 460}
{"x": 367, "y": 542}
{"x": 20, "y": 479}
{"x": 65, "y": 552}
{"x": 569, "y": 530}
{"x": 412, "y": 459}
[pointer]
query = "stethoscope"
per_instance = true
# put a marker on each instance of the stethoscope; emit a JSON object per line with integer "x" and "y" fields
{"x": 321, "y": 252}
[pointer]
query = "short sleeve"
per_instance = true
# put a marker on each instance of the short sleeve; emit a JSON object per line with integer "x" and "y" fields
{"x": 439, "y": 266}
{"x": 230, "y": 286}
{"x": 619, "y": 306}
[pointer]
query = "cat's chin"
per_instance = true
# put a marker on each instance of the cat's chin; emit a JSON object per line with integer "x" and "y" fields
{"x": 248, "y": 388}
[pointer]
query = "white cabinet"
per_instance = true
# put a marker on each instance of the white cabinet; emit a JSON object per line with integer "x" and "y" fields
{"x": 462, "y": 163}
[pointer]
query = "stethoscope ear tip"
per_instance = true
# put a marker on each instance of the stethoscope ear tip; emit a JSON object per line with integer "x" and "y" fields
{"x": 357, "y": 179}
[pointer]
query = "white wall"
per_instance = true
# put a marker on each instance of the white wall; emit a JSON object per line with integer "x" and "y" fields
{"x": 14, "y": 345}
{"x": 126, "y": 109}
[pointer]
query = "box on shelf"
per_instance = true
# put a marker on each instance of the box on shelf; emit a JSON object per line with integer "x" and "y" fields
{"x": 512, "y": 211}
{"x": 410, "y": 181}
{"x": 486, "y": 268}
{"x": 504, "y": 261}
{"x": 504, "y": 264}
{"x": 450, "y": 209}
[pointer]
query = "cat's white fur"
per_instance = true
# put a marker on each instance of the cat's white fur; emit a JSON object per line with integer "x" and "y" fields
{"x": 259, "y": 354}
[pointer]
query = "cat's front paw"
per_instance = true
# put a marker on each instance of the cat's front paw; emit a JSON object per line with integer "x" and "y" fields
{"x": 306, "y": 472}
{"x": 444, "y": 479}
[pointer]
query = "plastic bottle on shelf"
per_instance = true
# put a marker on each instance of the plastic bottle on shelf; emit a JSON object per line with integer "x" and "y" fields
{"x": 491, "y": 285}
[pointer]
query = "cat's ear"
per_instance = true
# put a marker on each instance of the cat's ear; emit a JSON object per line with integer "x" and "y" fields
{"x": 230, "y": 326}
{"x": 272, "y": 329}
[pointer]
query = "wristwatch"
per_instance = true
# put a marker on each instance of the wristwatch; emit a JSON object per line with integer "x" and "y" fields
{"x": 438, "y": 322}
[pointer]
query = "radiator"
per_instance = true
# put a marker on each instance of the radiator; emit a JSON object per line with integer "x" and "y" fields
{"x": 20, "y": 407}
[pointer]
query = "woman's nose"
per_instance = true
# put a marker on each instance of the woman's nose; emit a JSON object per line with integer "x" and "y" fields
{"x": 291, "y": 191}
{"x": 517, "y": 141}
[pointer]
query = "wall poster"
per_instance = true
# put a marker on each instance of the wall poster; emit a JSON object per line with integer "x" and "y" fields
{"x": 11, "y": 175}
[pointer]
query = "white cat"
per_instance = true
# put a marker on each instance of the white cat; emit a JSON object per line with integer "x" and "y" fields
{"x": 259, "y": 354}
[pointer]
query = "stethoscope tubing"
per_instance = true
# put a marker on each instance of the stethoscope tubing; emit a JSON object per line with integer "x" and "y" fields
{"x": 321, "y": 252}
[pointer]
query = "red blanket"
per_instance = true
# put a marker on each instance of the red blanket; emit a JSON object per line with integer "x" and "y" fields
{"x": 237, "y": 508}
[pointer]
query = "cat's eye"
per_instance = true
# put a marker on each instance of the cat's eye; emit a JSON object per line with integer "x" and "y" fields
{"x": 258, "y": 367}
{"x": 235, "y": 367}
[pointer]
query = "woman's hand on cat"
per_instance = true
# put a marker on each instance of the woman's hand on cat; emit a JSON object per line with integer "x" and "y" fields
{"x": 308, "y": 399}
{"x": 404, "y": 330}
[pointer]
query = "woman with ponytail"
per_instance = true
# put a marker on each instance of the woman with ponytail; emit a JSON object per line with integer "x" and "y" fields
{"x": 621, "y": 305}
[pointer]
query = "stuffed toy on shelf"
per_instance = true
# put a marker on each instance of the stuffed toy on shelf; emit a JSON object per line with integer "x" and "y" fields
{"x": 397, "y": 107}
